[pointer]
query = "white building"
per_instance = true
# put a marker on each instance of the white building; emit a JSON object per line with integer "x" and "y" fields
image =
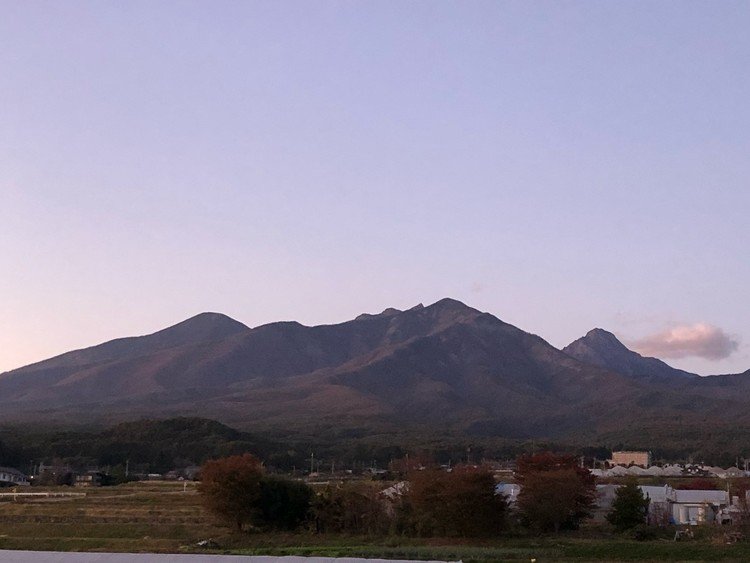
{"x": 12, "y": 477}
{"x": 676, "y": 506}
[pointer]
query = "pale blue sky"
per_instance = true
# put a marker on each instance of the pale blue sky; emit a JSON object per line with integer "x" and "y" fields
{"x": 562, "y": 165}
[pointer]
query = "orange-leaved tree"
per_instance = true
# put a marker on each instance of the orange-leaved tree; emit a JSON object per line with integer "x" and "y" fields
{"x": 231, "y": 488}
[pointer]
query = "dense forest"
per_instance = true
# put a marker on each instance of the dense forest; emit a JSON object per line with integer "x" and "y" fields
{"x": 157, "y": 446}
{"x": 154, "y": 445}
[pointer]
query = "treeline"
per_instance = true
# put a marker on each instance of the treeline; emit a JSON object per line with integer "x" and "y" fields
{"x": 556, "y": 494}
{"x": 458, "y": 503}
{"x": 158, "y": 446}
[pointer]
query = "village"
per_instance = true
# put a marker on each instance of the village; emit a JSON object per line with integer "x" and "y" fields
{"x": 675, "y": 493}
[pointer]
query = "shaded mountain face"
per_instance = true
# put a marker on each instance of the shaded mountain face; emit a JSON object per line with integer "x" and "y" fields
{"x": 445, "y": 364}
{"x": 446, "y": 367}
{"x": 603, "y": 349}
{"x": 205, "y": 327}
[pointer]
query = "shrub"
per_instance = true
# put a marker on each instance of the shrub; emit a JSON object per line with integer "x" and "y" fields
{"x": 283, "y": 504}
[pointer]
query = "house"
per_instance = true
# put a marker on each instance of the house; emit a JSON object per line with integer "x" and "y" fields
{"x": 676, "y": 506}
{"x": 660, "y": 505}
{"x": 605, "y": 496}
{"x": 686, "y": 507}
{"x": 10, "y": 477}
{"x": 698, "y": 507}
{"x": 90, "y": 479}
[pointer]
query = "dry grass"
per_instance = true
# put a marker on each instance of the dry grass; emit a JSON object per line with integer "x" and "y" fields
{"x": 153, "y": 517}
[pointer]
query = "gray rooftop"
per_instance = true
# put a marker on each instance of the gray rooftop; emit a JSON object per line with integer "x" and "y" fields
{"x": 699, "y": 497}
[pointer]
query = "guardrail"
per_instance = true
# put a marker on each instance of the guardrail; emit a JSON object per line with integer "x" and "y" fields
{"x": 47, "y": 495}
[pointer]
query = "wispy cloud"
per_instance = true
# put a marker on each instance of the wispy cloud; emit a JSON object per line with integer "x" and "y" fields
{"x": 700, "y": 340}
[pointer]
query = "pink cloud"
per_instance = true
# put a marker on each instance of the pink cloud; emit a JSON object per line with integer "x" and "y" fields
{"x": 700, "y": 339}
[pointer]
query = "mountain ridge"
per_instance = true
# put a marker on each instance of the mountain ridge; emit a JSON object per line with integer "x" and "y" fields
{"x": 445, "y": 365}
{"x": 198, "y": 328}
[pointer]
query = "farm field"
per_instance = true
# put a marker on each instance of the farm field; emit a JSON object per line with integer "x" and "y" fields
{"x": 151, "y": 516}
{"x": 168, "y": 518}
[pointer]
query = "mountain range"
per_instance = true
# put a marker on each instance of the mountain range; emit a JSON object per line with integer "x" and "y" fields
{"x": 444, "y": 368}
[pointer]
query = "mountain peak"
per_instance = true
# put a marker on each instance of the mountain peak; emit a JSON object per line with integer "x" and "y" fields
{"x": 201, "y": 327}
{"x": 441, "y": 307}
{"x": 211, "y": 316}
{"x": 450, "y": 307}
{"x": 602, "y": 348}
{"x": 600, "y": 332}
{"x": 211, "y": 319}
{"x": 449, "y": 303}
{"x": 602, "y": 338}
{"x": 204, "y": 327}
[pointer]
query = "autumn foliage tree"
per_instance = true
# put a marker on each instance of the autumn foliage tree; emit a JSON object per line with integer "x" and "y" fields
{"x": 231, "y": 488}
{"x": 459, "y": 503}
{"x": 555, "y": 492}
{"x": 235, "y": 489}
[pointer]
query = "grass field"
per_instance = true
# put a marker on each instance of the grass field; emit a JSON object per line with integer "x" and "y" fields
{"x": 162, "y": 517}
{"x": 134, "y": 517}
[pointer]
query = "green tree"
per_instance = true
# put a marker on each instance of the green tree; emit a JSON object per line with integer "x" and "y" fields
{"x": 283, "y": 504}
{"x": 231, "y": 488}
{"x": 555, "y": 492}
{"x": 629, "y": 508}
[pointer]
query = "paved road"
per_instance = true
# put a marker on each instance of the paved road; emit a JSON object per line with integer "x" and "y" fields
{"x": 69, "y": 557}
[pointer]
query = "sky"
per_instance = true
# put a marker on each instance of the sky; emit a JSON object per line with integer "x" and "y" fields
{"x": 562, "y": 165}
